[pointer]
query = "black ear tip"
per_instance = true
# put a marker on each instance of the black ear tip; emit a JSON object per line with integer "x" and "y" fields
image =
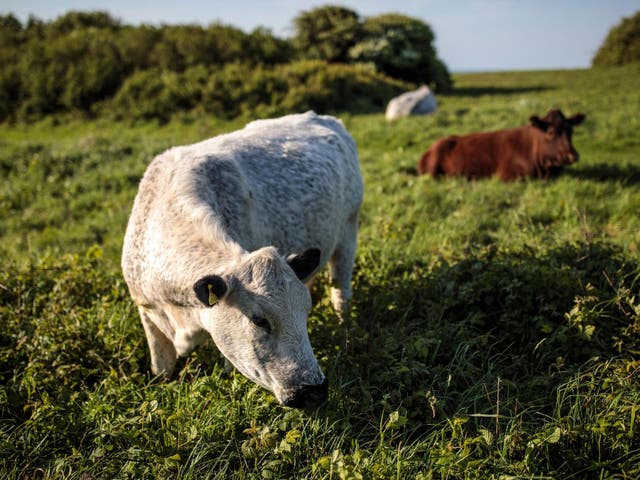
{"x": 305, "y": 263}
{"x": 210, "y": 289}
{"x": 314, "y": 254}
{"x": 311, "y": 256}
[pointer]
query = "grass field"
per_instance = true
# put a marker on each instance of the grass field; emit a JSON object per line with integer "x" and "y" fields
{"x": 495, "y": 331}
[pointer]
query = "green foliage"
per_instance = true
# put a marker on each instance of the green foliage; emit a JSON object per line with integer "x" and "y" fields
{"x": 495, "y": 331}
{"x": 335, "y": 88}
{"x": 157, "y": 94}
{"x": 401, "y": 47}
{"x": 622, "y": 45}
{"x": 398, "y": 46}
{"x": 326, "y": 33}
{"x": 83, "y": 59}
{"x": 231, "y": 91}
{"x": 88, "y": 63}
{"x": 78, "y": 20}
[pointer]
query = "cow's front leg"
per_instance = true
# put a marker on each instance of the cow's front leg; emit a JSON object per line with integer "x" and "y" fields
{"x": 163, "y": 353}
{"x": 341, "y": 265}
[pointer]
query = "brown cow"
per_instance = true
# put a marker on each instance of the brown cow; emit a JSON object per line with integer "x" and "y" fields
{"x": 540, "y": 149}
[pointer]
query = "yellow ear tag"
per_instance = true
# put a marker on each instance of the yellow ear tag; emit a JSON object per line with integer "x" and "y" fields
{"x": 212, "y": 296}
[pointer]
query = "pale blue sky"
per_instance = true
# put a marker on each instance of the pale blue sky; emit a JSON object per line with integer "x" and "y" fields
{"x": 470, "y": 34}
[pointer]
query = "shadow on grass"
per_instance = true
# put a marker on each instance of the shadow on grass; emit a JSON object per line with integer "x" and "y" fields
{"x": 603, "y": 172}
{"x": 435, "y": 340}
{"x": 410, "y": 171}
{"x": 554, "y": 173}
{"x": 479, "y": 91}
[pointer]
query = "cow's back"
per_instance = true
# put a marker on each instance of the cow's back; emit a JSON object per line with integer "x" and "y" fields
{"x": 291, "y": 182}
{"x": 300, "y": 180}
{"x": 506, "y": 153}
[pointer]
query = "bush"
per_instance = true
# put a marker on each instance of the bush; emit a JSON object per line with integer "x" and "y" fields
{"x": 327, "y": 87}
{"x": 231, "y": 91}
{"x": 156, "y": 94}
{"x": 622, "y": 44}
{"x": 82, "y": 59}
{"x": 76, "y": 20}
{"x": 401, "y": 47}
{"x": 9, "y": 92}
{"x": 69, "y": 72}
{"x": 96, "y": 75}
{"x": 326, "y": 33}
{"x": 87, "y": 62}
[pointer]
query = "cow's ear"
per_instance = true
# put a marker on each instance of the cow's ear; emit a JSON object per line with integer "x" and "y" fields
{"x": 537, "y": 122}
{"x": 577, "y": 119}
{"x": 210, "y": 289}
{"x": 304, "y": 264}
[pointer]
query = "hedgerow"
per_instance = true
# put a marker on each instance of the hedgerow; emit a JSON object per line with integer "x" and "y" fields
{"x": 234, "y": 90}
{"x": 88, "y": 63}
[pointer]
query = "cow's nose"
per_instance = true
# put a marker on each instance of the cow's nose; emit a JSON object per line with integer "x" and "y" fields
{"x": 309, "y": 396}
{"x": 573, "y": 156}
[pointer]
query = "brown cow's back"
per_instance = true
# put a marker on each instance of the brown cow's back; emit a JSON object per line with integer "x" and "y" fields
{"x": 480, "y": 155}
{"x": 536, "y": 150}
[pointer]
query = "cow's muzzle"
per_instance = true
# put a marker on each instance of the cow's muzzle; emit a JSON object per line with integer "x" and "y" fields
{"x": 308, "y": 396}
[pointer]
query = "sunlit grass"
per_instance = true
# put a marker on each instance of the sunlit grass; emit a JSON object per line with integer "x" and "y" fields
{"x": 495, "y": 331}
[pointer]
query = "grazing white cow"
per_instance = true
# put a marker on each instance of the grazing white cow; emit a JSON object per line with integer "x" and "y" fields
{"x": 222, "y": 235}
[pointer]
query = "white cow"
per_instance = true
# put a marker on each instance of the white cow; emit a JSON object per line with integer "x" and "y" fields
{"x": 417, "y": 102}
{"x": 224, "y": 232}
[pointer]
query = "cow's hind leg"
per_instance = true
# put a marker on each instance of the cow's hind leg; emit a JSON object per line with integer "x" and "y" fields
{"x": 341, "y": 265}
{"x": 161, "y": 348}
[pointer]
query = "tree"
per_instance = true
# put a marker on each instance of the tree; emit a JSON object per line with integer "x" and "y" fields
{"x": 264, "y": 47}
{"x": 326, "y": 33}
{"x": 10, "y": 24}
{"x": 398, "y": 46}
{"x": 402, "y": 48}
{"x": 11, "y": 37}
{"x": 622, "y": 44}
{"x": 75, "y": 20}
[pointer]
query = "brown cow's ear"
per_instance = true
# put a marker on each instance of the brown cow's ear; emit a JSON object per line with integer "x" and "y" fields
{"x": 577, "y": 119}
{"x": 210, "y": 289}
{"x": 537, "y": 122}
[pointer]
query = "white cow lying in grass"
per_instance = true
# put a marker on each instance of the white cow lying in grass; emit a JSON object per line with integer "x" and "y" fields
{"x": 222, "y": 235}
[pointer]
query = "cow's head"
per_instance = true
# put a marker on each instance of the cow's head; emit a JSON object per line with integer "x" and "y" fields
{"x": 556, "y": 147}
{"x": 257, "y": 315}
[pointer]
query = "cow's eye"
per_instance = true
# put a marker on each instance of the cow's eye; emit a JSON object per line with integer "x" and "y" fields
{"x": 261, "y": 322}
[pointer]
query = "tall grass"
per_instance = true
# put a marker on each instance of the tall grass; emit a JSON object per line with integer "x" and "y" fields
{"x": 495, "y": 331}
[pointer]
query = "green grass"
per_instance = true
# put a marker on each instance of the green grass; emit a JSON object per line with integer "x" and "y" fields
{"x": 495, "y": 331}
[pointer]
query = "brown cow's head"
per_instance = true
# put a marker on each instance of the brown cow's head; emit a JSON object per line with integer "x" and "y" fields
{"x": 556, "y": 148}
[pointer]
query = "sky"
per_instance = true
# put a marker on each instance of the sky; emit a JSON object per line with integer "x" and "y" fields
{"x": 471, "y": 35}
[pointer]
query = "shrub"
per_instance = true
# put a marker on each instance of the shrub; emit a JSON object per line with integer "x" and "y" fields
{"x": 9, "y": 92}
{"x": 156, "y": 94}
{"x": 263, "y": 47}
{"x": 97, "y": 73}
{"x": 622, "y": 44}
{"x": 69, "y": 72}
{"x": 337, "y": 87}
{"x": 88, "y": 61}
{"x": 76, "y": 20}
{"x": 232, "y": 91}
{"x": 326, "y": 33}
{"x": 82, "y": 59}
{"x": 401, "y": 47}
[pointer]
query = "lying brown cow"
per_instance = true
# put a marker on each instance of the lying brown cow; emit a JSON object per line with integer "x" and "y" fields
{"x": 540, "y": 149}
